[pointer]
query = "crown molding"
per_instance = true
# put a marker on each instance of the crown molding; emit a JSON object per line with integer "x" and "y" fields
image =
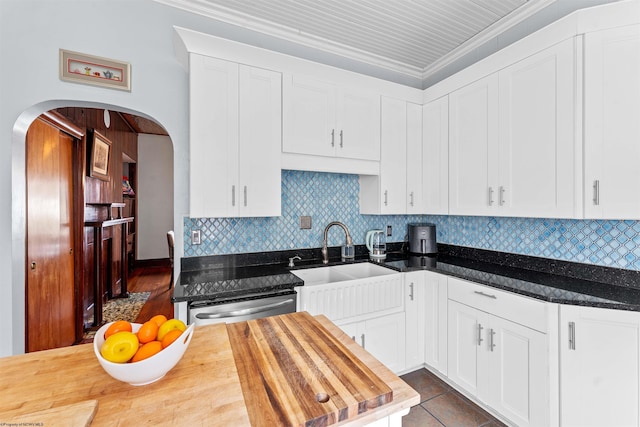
{"x": 233, "y": 17}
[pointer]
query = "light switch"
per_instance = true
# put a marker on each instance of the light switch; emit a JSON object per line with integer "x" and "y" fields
{"x": 195, "y": 237}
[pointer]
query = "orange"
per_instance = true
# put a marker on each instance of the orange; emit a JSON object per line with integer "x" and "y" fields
{"x": 147, "y": 350}
{"x": 147, "y": 332}
{"x": 159, "y": 319}
{"x": 170, "y": 337}
{"x": 117, "y": 326}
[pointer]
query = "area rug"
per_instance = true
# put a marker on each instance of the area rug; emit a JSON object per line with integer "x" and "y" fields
{"x": 121, "y": 309}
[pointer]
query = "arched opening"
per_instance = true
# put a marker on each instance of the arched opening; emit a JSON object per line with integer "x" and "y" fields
{"x": 147, "y": 174}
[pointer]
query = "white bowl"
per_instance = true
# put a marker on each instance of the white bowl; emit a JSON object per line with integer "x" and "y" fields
{"x": 148, "y": 370}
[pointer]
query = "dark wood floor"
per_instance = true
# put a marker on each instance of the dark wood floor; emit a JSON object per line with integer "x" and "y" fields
{"x": 156, "y": 281}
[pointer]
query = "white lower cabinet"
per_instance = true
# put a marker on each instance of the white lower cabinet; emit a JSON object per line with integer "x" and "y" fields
{"x": 599, "y": 366}
{"x": 500, "y": 362}
{"x": 415, "y": 311}
{"x": 383, "y": 337}
{"x": 435, "y": 321}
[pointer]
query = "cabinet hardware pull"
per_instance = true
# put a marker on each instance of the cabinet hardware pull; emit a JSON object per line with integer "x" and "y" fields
{"x": 353, "y": 337}
{"x": 411, "y": 291}
{"x": 362, "y": 338}
{"x": 341, "y": 145}
{"x": 411, "y": 196}
{"x": 386, "y": 198}
{"x": 572, "y": 336}
{"x": 245, "y": 196}
{"x": 491, "y": 334}
{"x": 485, "y": 295}
{"x": 490, "y": 196}
{"x": 596, "y": 192}
{"x": 501, "y": 196}
{"x": 333, "y": 137}
{"x": 480, "y": 334}
{"x": 233, "y": 195}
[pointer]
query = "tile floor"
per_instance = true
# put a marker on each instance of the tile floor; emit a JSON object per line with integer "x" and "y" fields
{"x": 440, "y": 405}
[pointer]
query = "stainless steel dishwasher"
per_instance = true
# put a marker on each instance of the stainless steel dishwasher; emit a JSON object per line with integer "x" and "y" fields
{"x": 238, "y": 310}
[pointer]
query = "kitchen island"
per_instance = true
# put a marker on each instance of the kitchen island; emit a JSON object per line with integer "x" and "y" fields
{"x": 205, "y": 388}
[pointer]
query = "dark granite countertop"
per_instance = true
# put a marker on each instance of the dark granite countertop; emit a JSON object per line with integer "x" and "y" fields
{"x": 224, "y": 277}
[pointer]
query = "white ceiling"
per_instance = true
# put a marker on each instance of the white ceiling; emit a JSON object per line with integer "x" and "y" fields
{"x": 416, "y": 38}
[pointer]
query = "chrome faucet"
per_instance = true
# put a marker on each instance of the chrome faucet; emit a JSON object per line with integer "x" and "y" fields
{"x": 325, "y": 250}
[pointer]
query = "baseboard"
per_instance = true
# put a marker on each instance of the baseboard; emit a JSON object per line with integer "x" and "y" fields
{"x": 149, "y": 263}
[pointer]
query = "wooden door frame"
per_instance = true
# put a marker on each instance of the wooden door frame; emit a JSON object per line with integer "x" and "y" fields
{"x": 78, "y": 135}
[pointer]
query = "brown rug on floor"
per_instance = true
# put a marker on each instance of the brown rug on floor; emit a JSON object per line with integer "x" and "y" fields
{"x": 121, "y": 309}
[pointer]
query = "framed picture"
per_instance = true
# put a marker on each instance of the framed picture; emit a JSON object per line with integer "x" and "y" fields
{"x": 99, "y": 156}
{"x": 93, "y": 70}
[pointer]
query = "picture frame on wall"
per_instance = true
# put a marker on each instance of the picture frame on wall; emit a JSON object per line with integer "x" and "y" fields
{"x": 93, "y": 70}
{"x": 99, "y": 156}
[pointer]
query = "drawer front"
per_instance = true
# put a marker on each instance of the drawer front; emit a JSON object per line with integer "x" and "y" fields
{"x": 516, "y": 308}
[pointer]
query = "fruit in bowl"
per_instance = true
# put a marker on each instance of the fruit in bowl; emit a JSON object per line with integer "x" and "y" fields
{"x": 136, "y": 354}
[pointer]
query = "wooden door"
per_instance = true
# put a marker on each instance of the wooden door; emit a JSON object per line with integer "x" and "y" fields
{"x": 50, "y": 290}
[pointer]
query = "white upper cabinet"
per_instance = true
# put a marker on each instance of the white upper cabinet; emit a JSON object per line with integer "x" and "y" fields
{"x": 612, "y": 123}
{"x": 324, "y": 119}
{"x": 235, "y": 127}
{"x": 393, "y": 140}
{"x": 435, "y": 158}
{"x": 537, "y": 135}
{"x": 414, "y": 160}
{"x": 512, "y": 139}
{"x": 473, "y": 148}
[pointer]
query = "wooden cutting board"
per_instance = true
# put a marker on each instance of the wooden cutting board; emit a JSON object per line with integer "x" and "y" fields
{"x": 293, "y": 372}
{"x": 75, "y": 415}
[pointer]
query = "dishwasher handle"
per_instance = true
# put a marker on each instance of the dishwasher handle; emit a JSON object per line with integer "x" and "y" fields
{"x": 244, "y": 311}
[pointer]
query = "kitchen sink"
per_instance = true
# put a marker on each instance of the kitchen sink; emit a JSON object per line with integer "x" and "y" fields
{"x": 341, "y": 273}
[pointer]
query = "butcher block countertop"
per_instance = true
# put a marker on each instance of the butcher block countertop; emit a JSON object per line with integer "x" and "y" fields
{"x": 231, "y": 375}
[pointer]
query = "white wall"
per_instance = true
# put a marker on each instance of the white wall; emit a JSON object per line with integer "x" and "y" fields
{"x": 154, "y": 195}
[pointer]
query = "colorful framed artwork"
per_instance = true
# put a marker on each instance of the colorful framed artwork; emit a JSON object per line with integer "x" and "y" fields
{"x": 93, "y": 70}
{"x": 99, "y": 157}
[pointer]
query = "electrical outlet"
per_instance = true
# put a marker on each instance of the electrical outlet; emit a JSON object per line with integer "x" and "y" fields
{"x": 389, "y": 233}
{"x": 195, "y": 237}
{"x": 305, "y": 223}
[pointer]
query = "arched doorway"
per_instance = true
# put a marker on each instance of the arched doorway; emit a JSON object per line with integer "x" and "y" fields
{"x": 89, "y": 118}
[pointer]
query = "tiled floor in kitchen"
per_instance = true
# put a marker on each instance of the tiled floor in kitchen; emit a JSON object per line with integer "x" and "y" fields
{"x": 440, "y": 405}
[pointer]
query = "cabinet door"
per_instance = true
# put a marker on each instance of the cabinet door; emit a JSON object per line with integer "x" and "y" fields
{"x": 358, "y": 125}
{"x": 599, "y": 367}
{"x": 473, "y": 139}
{"x": 260, "y": 136}
{"x": 309, "y": 117}
{"x": 213, "y": 125}
{"x": 518, "y": 374}
{"x": 537, "y": 137}
{"x": 467, "y": 357}
{"x": 435, "y": 320}
{"x": 435, "y": 157}
{"x": 415, "y": 317}
{"x": 612, "y": 128}
{"x": 393, "y": 180}
{"x": 384, "y": 338}
{"x": 414, "y": 159}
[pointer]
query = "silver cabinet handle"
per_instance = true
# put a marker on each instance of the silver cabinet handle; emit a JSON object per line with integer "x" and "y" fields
{"x": 362, "y": 338}
{"x": 386, "y": 197}
{"x": 244, "y": 311}
{"x": 572, "y": 336}
{"x": 411, "y": 198}
{"x": 596, "y": 192}
{"x": 485, "y": 295}
{"x": 491, "y": 334}
{"x": 411, "y": 291}
{"x": 490, "y": 196}
{"x": 501, "y": 196}
{"x": 341, "y": 140}
{"x": 333, "y": 137}
{"x": 480, "y": 334}
{"x": 245, "y": 195}
{"x": 233, "y": 195}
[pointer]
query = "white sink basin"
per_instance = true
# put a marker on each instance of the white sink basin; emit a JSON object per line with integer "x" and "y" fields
{"x": 340, "y": 273}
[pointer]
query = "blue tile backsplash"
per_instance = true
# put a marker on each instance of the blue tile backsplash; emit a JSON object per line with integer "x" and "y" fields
{"x": 334, "y": 197}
